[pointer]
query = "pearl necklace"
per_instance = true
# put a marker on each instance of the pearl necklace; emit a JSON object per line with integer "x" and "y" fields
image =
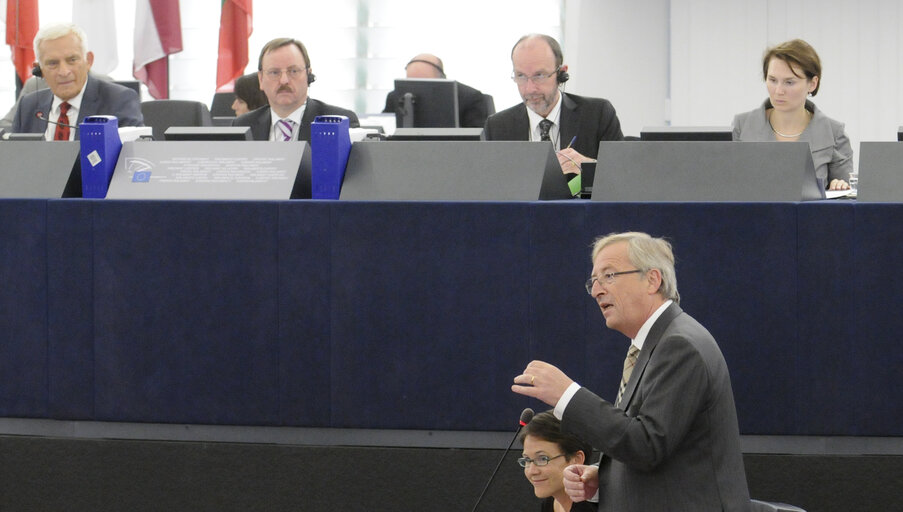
{"x": 793, "y": 136}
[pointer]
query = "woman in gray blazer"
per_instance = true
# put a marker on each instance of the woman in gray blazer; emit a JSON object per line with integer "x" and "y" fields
{"x": 792, "y": 72}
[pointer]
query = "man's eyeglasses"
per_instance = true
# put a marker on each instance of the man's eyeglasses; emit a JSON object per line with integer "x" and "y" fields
{"x": 292, "y": 72}
{"x": 538, "y": 78}
{"x": 608, "y": 278}
{"x": 542, "y": 460}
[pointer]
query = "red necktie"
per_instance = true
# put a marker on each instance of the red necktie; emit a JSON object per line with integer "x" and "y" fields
{"x": 62, "y": 129}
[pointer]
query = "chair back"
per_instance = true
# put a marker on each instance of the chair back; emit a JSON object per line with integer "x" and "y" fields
{"x": 161, "y": 114}
{"x": 221, "y": 106}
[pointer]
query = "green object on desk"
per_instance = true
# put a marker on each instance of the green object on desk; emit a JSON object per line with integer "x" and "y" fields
{"x": 575, "y": 185}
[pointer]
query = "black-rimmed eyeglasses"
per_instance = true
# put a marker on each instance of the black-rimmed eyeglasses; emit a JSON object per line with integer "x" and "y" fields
{"x": 608, "y": 278}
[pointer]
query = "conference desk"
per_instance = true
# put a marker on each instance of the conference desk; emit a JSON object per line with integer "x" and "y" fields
{"x": 413, "y": 315}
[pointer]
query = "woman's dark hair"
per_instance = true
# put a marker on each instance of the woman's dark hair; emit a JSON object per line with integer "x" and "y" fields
{"x": 247, "y": 89}
{"x": 547, "y": 427}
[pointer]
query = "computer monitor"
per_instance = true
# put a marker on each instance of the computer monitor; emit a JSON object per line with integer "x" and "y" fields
{"x": 900, "y": 134}
{"x": 686, "y": 133}
{"x": 426, "y": 103}
{"x": 208, "y": 133}
{"x": 23, "y": 136}
{"x": 437, "y": 134}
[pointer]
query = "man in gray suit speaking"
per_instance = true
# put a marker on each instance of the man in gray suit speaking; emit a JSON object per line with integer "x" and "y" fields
{"x": 670, "y": 441}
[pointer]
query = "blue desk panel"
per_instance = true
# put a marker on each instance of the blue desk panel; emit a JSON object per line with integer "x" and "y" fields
{"x": 418, "y": 315}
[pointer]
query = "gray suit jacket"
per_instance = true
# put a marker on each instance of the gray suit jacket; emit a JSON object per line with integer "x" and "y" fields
{"x": 677, "y": 446}
{"x": 260, "y": 122}
{"x": 830, "y": 147}
{"x": 590, "y": 119}
{"x": 100, "y": 98}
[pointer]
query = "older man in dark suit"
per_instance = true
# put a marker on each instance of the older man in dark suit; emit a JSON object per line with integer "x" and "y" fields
{"x": 670, "y": 441}
{"x": 574, "y": 124}
{"x": 73, "y": 94}
{"x": 285, "y": 76}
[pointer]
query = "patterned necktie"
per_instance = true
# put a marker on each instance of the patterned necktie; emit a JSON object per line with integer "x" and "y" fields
{"x": 284, "y": 129}
{"x": 62, "y": 129}
{"x": 629, "y": 363}
{"x": 544, "y": 126}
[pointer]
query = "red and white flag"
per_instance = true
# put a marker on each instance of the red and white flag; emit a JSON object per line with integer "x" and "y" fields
{"x": 234, "y": 29}
{"x": 21, "y": 27}
{"x": 158, "y": 34}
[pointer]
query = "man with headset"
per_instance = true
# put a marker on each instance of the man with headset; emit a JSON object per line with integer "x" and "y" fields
{"x": 72, "y": 92}
{"x": 574, "y": 124}
{"x": 285, "y": 76}
{"x": 472, "y": 106}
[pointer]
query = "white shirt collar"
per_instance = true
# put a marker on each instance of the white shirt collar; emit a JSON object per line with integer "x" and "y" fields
{"x": 75, "y": 104}
{"x": 554, "y": 116}
{"x": 294, "y": 116}
{"x": 647, "y": 325}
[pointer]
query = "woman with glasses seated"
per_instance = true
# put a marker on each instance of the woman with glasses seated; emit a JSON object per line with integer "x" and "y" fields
{"x": 547, "y": 451}
{"x": 792, "y": 72}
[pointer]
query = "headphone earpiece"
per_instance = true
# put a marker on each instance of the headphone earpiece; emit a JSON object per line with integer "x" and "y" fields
{"x": 437, "y": 66}
{"x": 310, "y": 77}
{"x": 562, "y": 76}
{"x": 36, "y": 71}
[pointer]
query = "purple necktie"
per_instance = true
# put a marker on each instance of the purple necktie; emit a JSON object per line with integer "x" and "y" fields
{"x": 284, "y": 129}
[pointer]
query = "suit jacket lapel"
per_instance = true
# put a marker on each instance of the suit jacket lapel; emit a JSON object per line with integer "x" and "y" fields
{"x": 568, "y": 121}
{"x": 655, "y": 334}
{"x": 90, "y": 100}
{"x": 311, "y": 111}
{"x": 260, "y": 128}
{"x": 44, "y": 105}
{"x": 521, "y": 125}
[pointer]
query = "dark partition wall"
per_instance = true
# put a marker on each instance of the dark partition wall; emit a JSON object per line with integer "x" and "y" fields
{"x": 417, "y": 315}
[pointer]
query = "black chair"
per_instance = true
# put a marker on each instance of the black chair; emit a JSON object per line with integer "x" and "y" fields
{"x": 490, "y": 104}
{"x": 131, "y": 84}
{"x": 770, "y": 506}
{"x": 221, "y": 106}
{"x": 161, "y": 114}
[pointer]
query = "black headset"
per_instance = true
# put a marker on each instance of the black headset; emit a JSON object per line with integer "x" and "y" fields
{"x": 562, "y": 76}
{"x": 437, "y": 66}
{"x": 36, "y": 71}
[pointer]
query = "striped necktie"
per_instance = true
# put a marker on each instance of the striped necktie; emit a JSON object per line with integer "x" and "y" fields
{"x": 284, "y": 129}
{"x": 629, "y": 363}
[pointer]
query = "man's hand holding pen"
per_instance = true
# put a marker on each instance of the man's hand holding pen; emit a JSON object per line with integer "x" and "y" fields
{"x": 570, "y": 159}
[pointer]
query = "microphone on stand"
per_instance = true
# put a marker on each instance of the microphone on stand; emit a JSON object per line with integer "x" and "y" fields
{"x": 525, "y": 418}
{"x": 40, "y": 115}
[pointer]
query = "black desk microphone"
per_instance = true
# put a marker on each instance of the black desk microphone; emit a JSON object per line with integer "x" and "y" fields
{"x": 40, "y": 115}
{"x": 525, "y": 418}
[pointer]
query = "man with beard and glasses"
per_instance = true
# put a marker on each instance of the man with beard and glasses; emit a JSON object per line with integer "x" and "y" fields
{"x": 547, "y": 114}
{"x": 285, "y": 76}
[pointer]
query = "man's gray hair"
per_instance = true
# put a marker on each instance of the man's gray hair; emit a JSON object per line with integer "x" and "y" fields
{"x": 646, "y": 253}
{"x": 57, "y": 31}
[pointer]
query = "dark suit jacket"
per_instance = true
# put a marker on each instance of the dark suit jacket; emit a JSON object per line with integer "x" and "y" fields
{"x": 472, "y": 109}
{"x": 259, "y": 120}
{"x": 590, "y": 119}
{"x": 100, "y": 98}
{"x": 677, "y": 447}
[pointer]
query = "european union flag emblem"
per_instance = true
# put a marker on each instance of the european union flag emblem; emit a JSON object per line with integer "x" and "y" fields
{"x": 141, "y": 177}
